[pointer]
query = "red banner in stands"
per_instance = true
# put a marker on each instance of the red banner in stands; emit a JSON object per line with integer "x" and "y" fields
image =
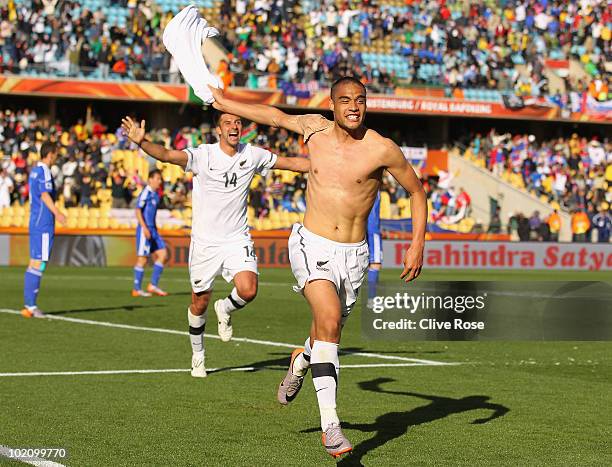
{"x": 413, "y": 101}
{"x": 140, "y": 91}
{"x": 414, "y": 104}
{"x": 505, "y": 255}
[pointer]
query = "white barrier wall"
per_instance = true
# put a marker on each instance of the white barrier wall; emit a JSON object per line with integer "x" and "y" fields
{"x": 5, "y": 250}
{"x": 505, "y": 255}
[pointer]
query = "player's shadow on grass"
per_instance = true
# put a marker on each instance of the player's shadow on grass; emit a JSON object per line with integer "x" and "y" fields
{"x": 394, "y": 425}
{"x": 104, "y": 308}
{"x": 280, "y": 364}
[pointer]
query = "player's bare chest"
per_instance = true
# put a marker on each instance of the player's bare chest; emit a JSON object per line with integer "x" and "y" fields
{"x": 342, "y": 166}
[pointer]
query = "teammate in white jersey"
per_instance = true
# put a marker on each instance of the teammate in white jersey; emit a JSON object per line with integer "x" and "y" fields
{"x": 220, "y": 238}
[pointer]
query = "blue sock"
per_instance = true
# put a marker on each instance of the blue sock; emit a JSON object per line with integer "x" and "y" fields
{"x": 372, "y": 282}
{"x": 158, "y": 268}
{"x": 31, "y": 284}
{"x": 138, "y": 276}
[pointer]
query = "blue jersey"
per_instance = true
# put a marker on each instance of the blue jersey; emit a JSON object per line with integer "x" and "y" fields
{"x": 41, "y": 181}
{"x": 374, "y": 217}
{"x": 148, "y": 202}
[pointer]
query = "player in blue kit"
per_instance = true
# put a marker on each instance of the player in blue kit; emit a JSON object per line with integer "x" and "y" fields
{"x": 375, "y": 247}
{"x": 43, "y": 213}
{"x": 148, "y": 240}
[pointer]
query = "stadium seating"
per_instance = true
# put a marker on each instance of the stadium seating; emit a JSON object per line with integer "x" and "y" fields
{"x": 393, "y": 43}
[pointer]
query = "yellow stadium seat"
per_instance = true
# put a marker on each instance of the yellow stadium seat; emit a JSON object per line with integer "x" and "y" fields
{"x": 266, "y": 224}
{"x": 82, "y": 223}
{"x": 93, "y": 223}
{"x": 257, "y": 225}
{"x": 16, "y": 221}
{"x": 5, "y": 221}
{"x": 94, "y": 213}
{"x": 114, "y": 223}
{"x": 104, "y": 223}
{"x": 19, "y": 211}
{"x": 71, "y": 223}
{"x": 403, "y": 206}
{"x": 385, "y": 205}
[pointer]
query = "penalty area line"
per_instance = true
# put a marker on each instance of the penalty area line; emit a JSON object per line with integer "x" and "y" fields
{"x": 6, "y": 452}
{"x": 236, "y": 339}
{"x": 185, "y": 370}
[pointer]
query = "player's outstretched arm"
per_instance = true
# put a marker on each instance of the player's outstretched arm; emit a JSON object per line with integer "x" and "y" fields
{"x": 258, "y": 113}
{"x": 402, "y": 171}
{"x": 136, "y": 132}
{"x": 295, "y": 164}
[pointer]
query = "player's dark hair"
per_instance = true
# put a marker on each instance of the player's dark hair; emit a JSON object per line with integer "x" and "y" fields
{"x": 217, "y": 114}
{"x": 46, "y": 148}
{"x": 346, "y": 80}
{"x": 154, "y": 172}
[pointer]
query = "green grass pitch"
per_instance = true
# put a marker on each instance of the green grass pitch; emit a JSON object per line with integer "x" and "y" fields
{"x": 505, "y": 403}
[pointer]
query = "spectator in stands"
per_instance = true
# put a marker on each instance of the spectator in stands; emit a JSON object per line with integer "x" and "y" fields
{"x": 602, "y": 223}
{"x": 523, "y": 228}
{"x": 580, "y": 226}
{"x": 6, "y": 188}
{"x": 118, "y": 187}
{"x": 554, "y": 225}
{"x": 534, "y": 225}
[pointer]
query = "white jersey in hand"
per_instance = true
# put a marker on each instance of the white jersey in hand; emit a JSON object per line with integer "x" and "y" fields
{"x": 220, "y": 189}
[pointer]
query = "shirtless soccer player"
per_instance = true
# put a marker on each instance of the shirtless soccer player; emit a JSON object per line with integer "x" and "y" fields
{"x": 220, "y": 238}
{"x": 329, "y": 255}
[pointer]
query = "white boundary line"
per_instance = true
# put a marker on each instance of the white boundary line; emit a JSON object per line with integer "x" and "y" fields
{"x": 5, "y": 451}
{"x": 186, "y": 370}
{"x": 237, "y": 339}
{"x": 130, "y": 279}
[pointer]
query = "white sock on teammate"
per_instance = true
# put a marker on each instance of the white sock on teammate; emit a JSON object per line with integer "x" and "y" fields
{"x": 325, "y": 370}
{"x": 196, "y": 332}
{"x": 233, "y": 302}
{"x": 302, "y": 361}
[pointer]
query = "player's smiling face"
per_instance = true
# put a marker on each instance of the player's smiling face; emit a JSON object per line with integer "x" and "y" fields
{"x": 229, "y": 129}
{"x": 349, "y": 105}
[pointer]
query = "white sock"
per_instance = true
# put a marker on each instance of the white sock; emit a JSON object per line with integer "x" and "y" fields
{"x": 325, "y": 370}
{"x": 302, "y": 361}
{"x": 196, "y": 331}
{"x": 233, "y": 301}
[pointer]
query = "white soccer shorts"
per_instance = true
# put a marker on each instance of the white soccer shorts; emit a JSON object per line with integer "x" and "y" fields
{"x": 314, "y": 257}
{"x": 208, "y": 261}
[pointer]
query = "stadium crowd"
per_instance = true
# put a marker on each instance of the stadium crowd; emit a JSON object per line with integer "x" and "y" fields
{"x": 450, "y": 43}
{"x": 574, "y": 173}
{"x": 94, "y": 158}
{"x": 65, "y": 38}
{"x": 386, "y": 43}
